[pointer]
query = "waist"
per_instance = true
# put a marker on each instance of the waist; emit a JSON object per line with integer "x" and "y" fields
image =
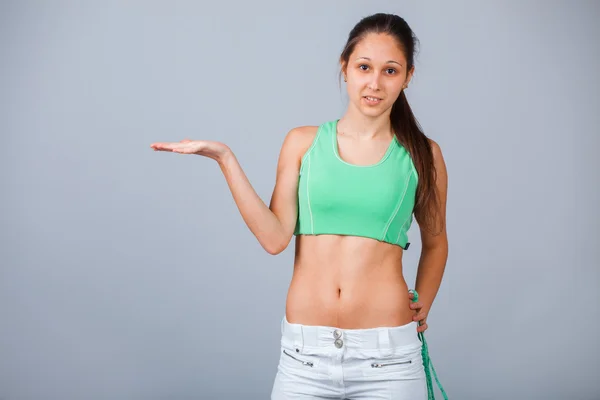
{"x": 303, "y": 336}
{"x": 348, "y": 282}
{"x": 361, "y": 308}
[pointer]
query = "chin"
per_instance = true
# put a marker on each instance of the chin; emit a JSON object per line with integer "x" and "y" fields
{"x": 373, "y": 112}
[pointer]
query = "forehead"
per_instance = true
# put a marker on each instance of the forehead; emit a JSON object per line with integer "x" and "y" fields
{"x": 379, "y": 47}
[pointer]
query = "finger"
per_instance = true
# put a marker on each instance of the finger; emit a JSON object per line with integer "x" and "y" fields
{"x": 419, "y": 317}
{"x": 415, "y": 306}
{"x": 161, "y": 146}
{"x": 183, "y": 150}
{"x": 175, "y": 147}
{"x": 422, "y": 328}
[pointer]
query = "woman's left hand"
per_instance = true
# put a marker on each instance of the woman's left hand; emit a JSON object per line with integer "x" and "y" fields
{"x": 421, "y": 314}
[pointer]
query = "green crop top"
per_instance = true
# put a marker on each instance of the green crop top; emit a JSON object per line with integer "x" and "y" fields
{"x": 336, "y": 197}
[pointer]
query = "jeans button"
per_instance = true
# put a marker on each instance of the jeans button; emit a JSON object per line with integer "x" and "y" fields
{"x": 337, "y": 334}
{"x": 338, "y": 343}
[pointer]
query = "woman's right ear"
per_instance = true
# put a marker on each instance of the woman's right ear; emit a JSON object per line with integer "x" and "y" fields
{"x": 343, "y": 69}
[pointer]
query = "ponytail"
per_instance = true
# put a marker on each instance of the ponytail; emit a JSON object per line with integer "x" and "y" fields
{"x": 409, "y": 133}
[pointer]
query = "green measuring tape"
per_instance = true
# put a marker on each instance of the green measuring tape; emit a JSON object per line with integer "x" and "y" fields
{"x": 427, "y": 361}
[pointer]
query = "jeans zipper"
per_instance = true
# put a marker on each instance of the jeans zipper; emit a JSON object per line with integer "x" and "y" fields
{"x": 381, "y": 365}
{"x": 308, "y": 363}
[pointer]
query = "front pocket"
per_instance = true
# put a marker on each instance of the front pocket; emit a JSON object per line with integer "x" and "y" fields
{"x": 387, "y": 364}
{"x": 307, "y": 363}
{"x": 404, "y": 366}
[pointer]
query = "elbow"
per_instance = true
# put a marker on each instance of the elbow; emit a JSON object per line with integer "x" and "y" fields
{"x": 274, "y": 250}
{"x": 275, "y": 247}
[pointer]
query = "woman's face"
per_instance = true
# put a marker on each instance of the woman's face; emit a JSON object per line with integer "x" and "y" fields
{"x": 376, "y": 74}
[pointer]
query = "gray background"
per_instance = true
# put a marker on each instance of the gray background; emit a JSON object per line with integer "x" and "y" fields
{"x": 129, "y": 274}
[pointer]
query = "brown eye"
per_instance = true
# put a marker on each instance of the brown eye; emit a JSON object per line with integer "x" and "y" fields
{"x": 393, "y": 71}
{"x": 363, "y": 65}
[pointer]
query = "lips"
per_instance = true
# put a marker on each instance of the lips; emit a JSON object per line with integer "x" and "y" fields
{"x": 371, "y": 100}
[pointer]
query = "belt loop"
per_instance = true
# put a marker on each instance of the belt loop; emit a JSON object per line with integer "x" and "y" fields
{"x": 299, "y": 339}
{"x": 384, "y": 342}
{"x": 303, "y": 339}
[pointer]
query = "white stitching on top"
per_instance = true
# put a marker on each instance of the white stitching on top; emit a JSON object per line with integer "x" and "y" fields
{"x": 397, "y": 207}
{"x": 414, "y": 170}
{"x": 312, "y": 228}
{"x": 313, "y": 144}
{"x": 402, "y": 227}
{"x": 306, "y": 157}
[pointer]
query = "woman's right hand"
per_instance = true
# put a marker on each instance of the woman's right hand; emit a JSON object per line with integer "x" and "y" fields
{"x": 273, "y": 225}
{"x": 215, "y": 150}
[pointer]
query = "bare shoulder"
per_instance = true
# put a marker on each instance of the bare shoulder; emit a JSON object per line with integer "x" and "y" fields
{"x": 302, "y": 136}
{"x": 435, "y": 148}
{"x": 297, "y": 141}
{"x": 439, "y": 164}
{"x": 438, "y": 157}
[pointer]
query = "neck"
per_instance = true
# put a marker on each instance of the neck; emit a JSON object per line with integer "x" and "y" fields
{"x": 360, "y": 126}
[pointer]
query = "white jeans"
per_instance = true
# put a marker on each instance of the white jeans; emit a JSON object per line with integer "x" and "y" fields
{"x": 323, "y": 362}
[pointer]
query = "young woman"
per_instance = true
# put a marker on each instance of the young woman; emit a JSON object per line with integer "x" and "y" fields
{"x": 348, "y": 190}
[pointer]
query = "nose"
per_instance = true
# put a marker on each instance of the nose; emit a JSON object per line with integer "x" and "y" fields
{"x": 374, "y": 81}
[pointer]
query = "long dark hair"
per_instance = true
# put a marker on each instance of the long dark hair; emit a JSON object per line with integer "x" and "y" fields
{"x": 406, "y": 127}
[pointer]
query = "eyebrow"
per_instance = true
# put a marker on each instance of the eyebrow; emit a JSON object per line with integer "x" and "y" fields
{"x": 389, "y": 61}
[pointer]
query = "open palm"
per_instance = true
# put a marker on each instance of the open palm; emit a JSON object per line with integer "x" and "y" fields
{"x": 206, "y": 148}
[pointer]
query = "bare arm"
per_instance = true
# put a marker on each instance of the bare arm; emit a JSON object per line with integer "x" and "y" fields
{"x": 434, "y": 251}
{"x": 273, "y": 226}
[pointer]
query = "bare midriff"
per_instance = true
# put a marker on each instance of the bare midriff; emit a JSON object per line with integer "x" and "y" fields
{"x": 348, "y": 282}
